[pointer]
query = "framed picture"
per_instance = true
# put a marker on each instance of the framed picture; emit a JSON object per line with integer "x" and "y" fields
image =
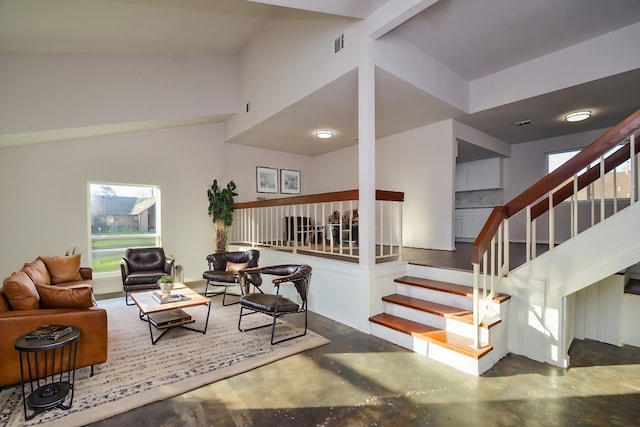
{"x": 266, "y": 180}
{"x": 289, "y": 181}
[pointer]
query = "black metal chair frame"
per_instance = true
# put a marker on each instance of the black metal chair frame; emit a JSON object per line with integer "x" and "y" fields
{"x": 300, "y": 277}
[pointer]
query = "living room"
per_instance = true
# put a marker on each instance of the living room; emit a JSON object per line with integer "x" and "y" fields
{"x": 125, "y": 114}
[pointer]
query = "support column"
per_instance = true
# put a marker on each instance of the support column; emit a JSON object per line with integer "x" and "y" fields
{"x": 367, "y": 157}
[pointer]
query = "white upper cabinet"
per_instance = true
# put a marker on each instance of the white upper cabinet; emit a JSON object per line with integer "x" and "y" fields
{"x": 479, "y": 175}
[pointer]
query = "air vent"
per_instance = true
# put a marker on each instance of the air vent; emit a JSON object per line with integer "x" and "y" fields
{"x": 524, "y": 123}
{"x": 338, "y": 44}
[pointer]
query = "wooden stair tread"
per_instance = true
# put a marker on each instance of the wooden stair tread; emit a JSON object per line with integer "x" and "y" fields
{"x": 426, "y": 306}
{"x": 446, "y": 339}
{"x": 452, "y": 288}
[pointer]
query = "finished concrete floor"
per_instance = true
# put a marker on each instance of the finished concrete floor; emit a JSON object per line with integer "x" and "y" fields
{"x": 361, "y": 380}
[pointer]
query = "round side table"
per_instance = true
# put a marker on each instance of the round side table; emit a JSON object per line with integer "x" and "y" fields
{"x": 48, "y": 370}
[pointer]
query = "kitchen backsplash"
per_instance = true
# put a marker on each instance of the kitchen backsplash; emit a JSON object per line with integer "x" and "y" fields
{"x": 479, "y": 199}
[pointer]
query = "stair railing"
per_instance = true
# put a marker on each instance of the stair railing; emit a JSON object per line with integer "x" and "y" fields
{"x": 490, "y": 251}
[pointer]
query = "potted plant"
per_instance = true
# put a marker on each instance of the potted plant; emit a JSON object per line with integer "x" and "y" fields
{"x": 166, "y": 284}
{"x": 221, "y": 211}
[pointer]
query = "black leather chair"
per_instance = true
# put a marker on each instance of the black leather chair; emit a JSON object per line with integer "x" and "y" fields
{"x": 142, "y": 267}
{"x": 277, "y": 305}
{"x": 226, "y": 269}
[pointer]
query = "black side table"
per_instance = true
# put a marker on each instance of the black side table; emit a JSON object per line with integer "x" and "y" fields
{"x": 48, "y": 371}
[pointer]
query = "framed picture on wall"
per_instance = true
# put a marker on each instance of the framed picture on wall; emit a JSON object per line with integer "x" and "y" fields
{"x": 289, "y": 181}
{"x": 266, "y": 180}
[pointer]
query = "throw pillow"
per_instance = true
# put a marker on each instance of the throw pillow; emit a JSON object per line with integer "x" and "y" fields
{"x": 63, "y": 268}
{"x": 21, "y": 292}
{"x": 78, "y": 296}
{"x": 234, "y": 267}
{"x": 38, "y": 272}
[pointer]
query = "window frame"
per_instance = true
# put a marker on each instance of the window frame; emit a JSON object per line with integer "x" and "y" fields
{"x": 156, "y": 235}
{"x": 588, "y": 191}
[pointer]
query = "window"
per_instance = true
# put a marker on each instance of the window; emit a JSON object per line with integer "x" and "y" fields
{"x": 622, "y": 179}
{"x": 121, "y": 216}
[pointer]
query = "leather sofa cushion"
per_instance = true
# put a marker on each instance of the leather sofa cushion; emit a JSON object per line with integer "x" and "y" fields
{"x": 63, "y": 268}
{"x": 38, "y": 272}
{"x": 4, "y": 304}
{"x": 236, "y": 266}
{"x": 78, "y": 296}
{"x": 21, "y": 292}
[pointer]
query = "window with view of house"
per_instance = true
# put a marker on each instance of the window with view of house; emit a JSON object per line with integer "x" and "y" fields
{"x": 121, "y": 216}
{"x": 617, "y": 183}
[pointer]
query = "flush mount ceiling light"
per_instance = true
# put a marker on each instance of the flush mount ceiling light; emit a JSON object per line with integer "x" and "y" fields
{"x": 324, "y": 133}
{"x": 578, "y": 116}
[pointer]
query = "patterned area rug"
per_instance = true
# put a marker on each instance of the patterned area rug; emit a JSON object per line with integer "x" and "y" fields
{"x": 137, "y": 373}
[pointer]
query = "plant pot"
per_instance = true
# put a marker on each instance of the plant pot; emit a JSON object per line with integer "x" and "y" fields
{"x": 222, "y": 233}
{"x": 165, "y": 287}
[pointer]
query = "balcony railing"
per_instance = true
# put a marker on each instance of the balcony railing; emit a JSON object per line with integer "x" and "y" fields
{"x": 324, "y": 224}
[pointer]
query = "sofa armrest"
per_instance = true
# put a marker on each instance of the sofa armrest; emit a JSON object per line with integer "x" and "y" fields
{"x": 86, "y": 273}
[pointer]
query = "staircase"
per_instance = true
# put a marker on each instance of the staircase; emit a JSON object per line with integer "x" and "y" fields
{"x": 435, "y": 319}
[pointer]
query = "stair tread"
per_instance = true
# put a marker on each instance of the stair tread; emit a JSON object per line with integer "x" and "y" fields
{"x": 452, "y": 341}
{"x": 452, "y": 288}
{"x": 426, "y": 306}
{"x": 437, "y": 309}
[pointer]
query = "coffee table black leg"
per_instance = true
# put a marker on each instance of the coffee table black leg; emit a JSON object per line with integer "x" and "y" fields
{"x": 206, "y": 322}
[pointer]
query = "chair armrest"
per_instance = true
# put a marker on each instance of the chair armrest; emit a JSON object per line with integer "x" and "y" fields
{"x": 124, "y": 268}
{"x": 169, "y": 265}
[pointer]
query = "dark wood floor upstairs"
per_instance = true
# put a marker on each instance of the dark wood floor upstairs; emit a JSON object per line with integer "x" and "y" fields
{"x": 460, "y": 259}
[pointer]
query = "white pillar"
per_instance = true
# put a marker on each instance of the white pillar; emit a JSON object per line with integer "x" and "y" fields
{"x": 367, "y": 157}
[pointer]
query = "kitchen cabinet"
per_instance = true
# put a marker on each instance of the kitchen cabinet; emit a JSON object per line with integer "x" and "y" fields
{"x": 469, "y": 222}
{"x": 479, "y": 175}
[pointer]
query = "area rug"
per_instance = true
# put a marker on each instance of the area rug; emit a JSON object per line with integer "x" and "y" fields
{"x": 137, "y": 373}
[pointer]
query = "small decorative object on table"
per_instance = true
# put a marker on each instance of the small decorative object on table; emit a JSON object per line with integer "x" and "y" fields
{"x": 48, "y": 332}
{"x": 166, "y": 284}
{"x": 164, "y": 299}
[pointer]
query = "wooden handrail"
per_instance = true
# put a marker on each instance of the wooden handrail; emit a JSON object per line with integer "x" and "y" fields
{"x": 592, "y": 152}
{"x": 336, "y": 196}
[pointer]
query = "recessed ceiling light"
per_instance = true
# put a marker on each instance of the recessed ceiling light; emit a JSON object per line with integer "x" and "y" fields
{"x": 324, "y": 134}
{"x": 578, "y": 116}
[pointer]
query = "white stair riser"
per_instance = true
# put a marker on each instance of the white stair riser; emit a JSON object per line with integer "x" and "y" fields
{"x": 467, "y": 330}
{"x": 439, "y": 297}
{"x": 415, "y": 315}
{"x": 459, "y": 361}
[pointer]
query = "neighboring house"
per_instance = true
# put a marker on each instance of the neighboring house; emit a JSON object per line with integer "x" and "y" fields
{"x": 119, "y": 214}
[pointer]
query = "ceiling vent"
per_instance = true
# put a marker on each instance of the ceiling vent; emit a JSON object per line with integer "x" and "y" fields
{"x": 524, "y": 123}
{"x": 338, "y": 44}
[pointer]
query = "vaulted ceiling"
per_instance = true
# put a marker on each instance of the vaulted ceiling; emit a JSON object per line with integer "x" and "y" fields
{"x": 471, "y": 38}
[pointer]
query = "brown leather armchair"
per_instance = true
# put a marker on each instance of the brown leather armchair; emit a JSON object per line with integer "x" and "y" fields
{"x": 142, "y": 267}
{"x": 277, "y": 305}
{"x": 226, "y": 269}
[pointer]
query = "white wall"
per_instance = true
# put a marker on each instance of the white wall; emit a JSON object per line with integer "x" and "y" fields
{"x": 272, "y": 63}
{"x": 44, "y": 190}
{"x": 421, "y": 162}
{"x": 55, "y": 91}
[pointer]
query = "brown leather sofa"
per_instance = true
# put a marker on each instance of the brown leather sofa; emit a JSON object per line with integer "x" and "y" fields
{"x": 50, "y": 290}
